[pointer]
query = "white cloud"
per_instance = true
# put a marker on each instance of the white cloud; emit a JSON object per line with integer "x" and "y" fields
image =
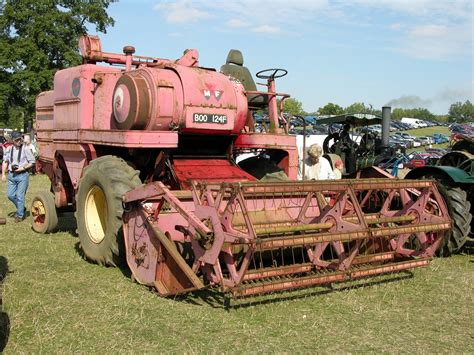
{"x": 266, "y": 29}
{"x": 437, "y": 42}
{"x": 427, "y": 8}
{"x": 237, "y": 23}
{"x": 181, "y": 12}
{"x": 429, "y": 31}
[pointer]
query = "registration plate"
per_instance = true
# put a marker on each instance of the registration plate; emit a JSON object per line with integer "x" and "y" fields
{"x": 209, "y": 118}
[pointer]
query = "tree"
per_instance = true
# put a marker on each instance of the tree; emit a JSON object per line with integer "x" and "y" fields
{"x": 398, "y": 113}
{"x": 293, "y": 107}
{"x": 461, "y": 112}
{"x": 37, "y": 38}
{"x": 358, "y": 107}
{"x": 330, "y": 109}
{"x": 421, "y": 113}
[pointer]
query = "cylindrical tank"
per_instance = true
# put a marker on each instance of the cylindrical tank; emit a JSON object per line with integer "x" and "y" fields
{"x": 173, "y": 97}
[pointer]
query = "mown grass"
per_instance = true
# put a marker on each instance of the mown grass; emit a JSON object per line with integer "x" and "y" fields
{"x": 428, "y": 131}
{"x": 54, "y": 301}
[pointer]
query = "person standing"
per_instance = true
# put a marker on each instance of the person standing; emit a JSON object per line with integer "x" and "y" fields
{"x": 17, "y": 161}
{"x": 31, "y": 146}
{"x": 317, "y": 167}
{"x": 28, "y": 144}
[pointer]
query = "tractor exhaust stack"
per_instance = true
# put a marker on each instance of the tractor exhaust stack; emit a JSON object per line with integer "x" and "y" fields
{"x": 386, "y": 119}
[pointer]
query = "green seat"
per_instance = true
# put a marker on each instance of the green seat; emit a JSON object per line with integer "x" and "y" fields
{"x": 234, "y": 67}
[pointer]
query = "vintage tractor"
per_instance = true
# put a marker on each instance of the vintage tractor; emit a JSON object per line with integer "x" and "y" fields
{"x": 144, "y": 150}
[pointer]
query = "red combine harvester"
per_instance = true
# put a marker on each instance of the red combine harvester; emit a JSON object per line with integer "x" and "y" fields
{"x": 144, "y": 150}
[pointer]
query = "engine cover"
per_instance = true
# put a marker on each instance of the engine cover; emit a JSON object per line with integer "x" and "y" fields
{"x": 176, "y": 97}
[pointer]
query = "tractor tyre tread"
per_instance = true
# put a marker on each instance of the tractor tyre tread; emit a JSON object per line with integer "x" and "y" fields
{"x": 115, "y": 177}
{"x": 459, "y": 210}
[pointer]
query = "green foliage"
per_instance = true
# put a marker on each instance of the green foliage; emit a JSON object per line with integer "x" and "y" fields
{"x": 358, "y": 107}
{"x": 441, "y": 118}
{"x": 38, "y": 37}
{"x": 293, "y": 107}
{"x": 461, "y": 112}
{"x": 330, "y": 109}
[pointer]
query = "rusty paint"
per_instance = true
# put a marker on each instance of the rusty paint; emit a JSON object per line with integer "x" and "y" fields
{"x": 271, "y": 222}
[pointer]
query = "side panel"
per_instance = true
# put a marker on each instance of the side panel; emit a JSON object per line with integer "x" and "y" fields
{"x": 74, "y": 91}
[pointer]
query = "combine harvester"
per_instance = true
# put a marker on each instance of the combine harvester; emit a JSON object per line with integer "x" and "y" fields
{"x": 145, "y": 153}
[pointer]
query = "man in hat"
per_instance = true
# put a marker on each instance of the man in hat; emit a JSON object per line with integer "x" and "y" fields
{"x": 17, "y": 161}
{"x": 317, "y": 167}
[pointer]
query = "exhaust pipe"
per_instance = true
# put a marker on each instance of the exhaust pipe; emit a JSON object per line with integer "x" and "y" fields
{"x": 386, "y": 118}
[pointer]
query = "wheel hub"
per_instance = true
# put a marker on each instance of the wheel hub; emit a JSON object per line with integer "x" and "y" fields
{"x": 96, "y": 214}
{"x": 38, "y": 212}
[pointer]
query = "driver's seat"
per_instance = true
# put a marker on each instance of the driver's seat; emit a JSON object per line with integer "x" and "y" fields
{"x": 234, "y": 67}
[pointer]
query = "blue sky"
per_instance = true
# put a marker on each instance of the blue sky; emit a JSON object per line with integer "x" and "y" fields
{"x": 406, "y": 53}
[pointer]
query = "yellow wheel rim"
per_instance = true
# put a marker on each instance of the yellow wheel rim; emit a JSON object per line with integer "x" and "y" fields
{"x": 38, "y": 211}
{"x": 96, "y": 214}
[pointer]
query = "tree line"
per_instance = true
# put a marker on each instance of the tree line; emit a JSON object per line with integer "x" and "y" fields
{"x": 458, "y": 111}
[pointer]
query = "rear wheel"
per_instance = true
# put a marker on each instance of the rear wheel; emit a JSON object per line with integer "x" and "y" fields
{"x": 44, "y": 213}
{"x": 99, "y": 208}
{"x": 459, "y": 210}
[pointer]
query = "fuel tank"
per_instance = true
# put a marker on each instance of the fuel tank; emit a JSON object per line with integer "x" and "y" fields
{"x": 176, "y": 97}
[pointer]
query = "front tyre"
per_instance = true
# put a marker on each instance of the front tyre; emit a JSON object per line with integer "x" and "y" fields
{"x": 99, "y": 208}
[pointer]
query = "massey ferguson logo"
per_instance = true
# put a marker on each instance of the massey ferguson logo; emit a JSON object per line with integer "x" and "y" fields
{"x": 212, "y": 92}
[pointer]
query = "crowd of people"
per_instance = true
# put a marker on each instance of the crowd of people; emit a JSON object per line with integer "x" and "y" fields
{"x": 19, "y": 157}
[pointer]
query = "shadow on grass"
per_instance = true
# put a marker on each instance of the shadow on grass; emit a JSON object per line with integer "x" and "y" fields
{"x": 123, "y": 267}
{"x": 468, "y": 248}
{"x": 212, "y": 297}
{"x": 67, "y": 223}
{"x": 4, "y": 319}
{"x": 217, "y": 299}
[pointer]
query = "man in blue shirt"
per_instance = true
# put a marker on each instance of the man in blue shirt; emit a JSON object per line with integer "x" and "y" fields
{"x": 17, "y": 161}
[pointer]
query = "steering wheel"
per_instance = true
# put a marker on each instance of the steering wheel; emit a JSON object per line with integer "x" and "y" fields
{"x": 276, "y": 73}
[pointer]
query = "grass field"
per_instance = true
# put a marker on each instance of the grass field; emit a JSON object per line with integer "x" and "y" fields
{"x": 54, "y": 301}
{"x": 429, "y": 131}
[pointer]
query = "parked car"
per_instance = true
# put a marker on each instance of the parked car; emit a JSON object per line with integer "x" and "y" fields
{"x": 439, "y": 138}
{"x": 424, "y": 140}
{"x": 399, "y": 125}
{"x": 416, "y": 160}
